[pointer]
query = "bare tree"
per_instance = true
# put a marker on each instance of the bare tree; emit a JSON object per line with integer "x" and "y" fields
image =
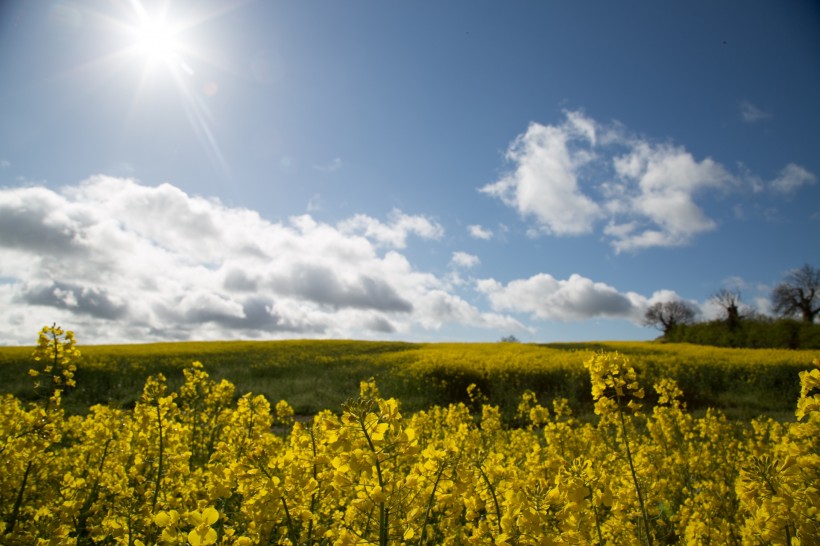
{"x": 729, "y": 300}
{"x": 798, "y": 294}
{"x": 668, "y": 314}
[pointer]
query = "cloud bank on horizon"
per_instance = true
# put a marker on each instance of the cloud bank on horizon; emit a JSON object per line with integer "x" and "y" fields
{"x": 122, "y": 261}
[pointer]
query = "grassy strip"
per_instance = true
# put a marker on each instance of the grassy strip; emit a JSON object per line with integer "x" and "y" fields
{"x": 313, "y": 375}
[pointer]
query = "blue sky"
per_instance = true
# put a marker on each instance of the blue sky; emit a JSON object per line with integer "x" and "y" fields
{"x": 400, "y": 170}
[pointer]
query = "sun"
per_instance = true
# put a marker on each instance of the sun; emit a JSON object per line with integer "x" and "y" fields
{"x": 161, "y": 47}
{"x": 156, "y": 41}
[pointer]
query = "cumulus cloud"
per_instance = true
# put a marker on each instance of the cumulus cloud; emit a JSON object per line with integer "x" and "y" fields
{"x": 580, "y": 175}
{"x": 86, "y": 300}
{"x": 463, "y": 259}
{"x": 480, "y": 232}
{"x": 439, "y": 307}
{"x": 575, "y": 298}
{"x": 751, "y": 113}
{"x": 324, "y": 285}
{"x": 395, "y": 232}
{"x": 118, "y": 260}
{"x": 792, "y": 178}
{"x": 655, "y": 191}
{"x": 545, "y": 184}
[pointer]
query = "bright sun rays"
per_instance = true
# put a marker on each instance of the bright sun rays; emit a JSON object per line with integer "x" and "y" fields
{"x": 156, "y": 42}
{"x": 157, "y": 38}
{"x": 164, "y": 46}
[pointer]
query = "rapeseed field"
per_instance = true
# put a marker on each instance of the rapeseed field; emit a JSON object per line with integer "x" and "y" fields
{"x": 201, "y": 464}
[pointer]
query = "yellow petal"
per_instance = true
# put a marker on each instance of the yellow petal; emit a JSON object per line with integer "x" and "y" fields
{"x": 210, "y": 515}
{"x": 162, "y": 519}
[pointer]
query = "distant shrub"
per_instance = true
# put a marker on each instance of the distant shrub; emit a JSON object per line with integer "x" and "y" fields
{"x": 758, "y": 333}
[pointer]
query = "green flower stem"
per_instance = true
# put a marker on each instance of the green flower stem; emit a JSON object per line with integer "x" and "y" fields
{"x": 492, "y": 492}
{"x": 644, "y": 514}
{"x": 430, "y": 502}
{"x": 19, "y": 500}
{"x": 384, "y": 512}
{"x": 161, "y": 454}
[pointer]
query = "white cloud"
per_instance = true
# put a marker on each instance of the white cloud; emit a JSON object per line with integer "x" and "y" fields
{"x": 544, "y": 183}
{"x": 659, "y": 185}
{"x": 574, "y": 177}
{"x": 479, "y": 232}
{"x": 576, "y": 298}
{"x": 394, "y": 233}
{"x": 792, "y": 178}
{"x": 118, "y": 261}
{"x": 463, "y": 259}
{"x": 4, "y": 164}
{"x": 752, "y": 181}
{"x": 438, "y": 308}
{"x": 763, "y": 305}
{"x": 751, "y": 113}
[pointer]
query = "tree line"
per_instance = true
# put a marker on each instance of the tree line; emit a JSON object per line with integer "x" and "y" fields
{"x": 795, "y": 303}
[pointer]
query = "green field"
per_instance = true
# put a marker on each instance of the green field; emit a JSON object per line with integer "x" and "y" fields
{"x": 314, "y": 375}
